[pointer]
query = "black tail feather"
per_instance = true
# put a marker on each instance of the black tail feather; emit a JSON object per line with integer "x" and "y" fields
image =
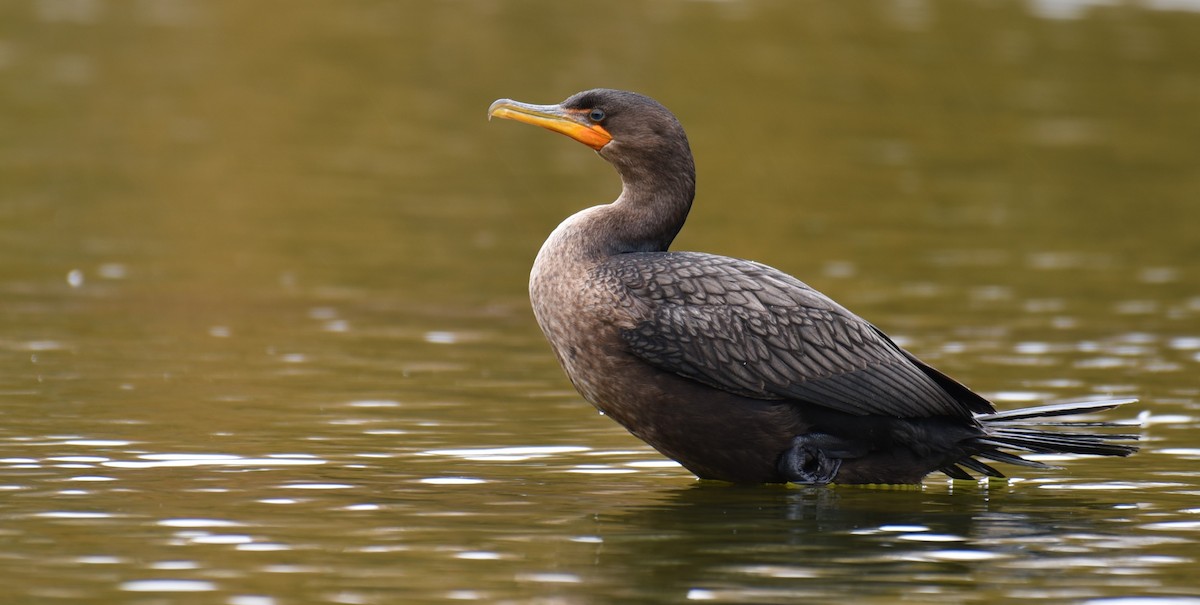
{"x": 980, "y": 467}
{"x": 956, "y": 473}
{"x": 1054, "y": 409}
{"x": 1040, "y": 432}
{"x": 1015, "y": 430}
{"x": 1007, "y": 458}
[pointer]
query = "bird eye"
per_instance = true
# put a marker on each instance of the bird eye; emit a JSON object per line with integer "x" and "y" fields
{"x": 596, "y": 115}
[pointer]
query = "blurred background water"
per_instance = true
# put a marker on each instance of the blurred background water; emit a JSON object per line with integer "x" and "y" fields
{"x": 264, "y": 336}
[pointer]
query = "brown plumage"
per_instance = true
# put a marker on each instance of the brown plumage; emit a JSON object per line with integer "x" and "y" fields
{"x": 737, "y": 370}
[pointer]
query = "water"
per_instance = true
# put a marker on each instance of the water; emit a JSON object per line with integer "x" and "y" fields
{"x": 264, "y": 337}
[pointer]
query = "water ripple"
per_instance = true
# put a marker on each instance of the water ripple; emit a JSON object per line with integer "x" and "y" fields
{"x": 188, "y": 460}
{"x": 507, "y": 454}
{"x": 168, "y": 586}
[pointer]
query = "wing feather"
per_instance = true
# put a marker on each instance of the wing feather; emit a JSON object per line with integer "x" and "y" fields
{"x": 752, "y": 330}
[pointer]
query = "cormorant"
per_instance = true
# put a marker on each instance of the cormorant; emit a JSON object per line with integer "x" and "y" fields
{"x": 736, "y": 370}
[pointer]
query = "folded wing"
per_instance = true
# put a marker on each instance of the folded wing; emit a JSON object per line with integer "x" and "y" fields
{"x": 755, "y": 331}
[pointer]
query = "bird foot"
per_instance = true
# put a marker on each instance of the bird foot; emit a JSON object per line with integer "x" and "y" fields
{"x": 806, "y": 462}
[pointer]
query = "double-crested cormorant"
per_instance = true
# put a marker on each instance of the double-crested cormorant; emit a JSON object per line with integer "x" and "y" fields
{"x": 739, "y": 371}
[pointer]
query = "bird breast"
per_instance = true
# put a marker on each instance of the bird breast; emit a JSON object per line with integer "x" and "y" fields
{"x": 579, "y": 315}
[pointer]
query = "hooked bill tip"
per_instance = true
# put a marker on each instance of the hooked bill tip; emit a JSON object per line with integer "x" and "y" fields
{"x": 496, "y": 105}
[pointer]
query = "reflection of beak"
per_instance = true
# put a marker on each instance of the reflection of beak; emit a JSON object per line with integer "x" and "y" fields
{"x": 571, "y": 122}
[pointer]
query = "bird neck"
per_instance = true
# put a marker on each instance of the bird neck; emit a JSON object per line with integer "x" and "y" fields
{"x": 653, "y": 205}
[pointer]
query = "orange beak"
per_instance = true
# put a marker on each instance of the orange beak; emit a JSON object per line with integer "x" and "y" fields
{"x": 571, "y": 122}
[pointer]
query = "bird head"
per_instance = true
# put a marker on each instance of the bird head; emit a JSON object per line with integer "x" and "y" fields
{"x": 629, "y": 130}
